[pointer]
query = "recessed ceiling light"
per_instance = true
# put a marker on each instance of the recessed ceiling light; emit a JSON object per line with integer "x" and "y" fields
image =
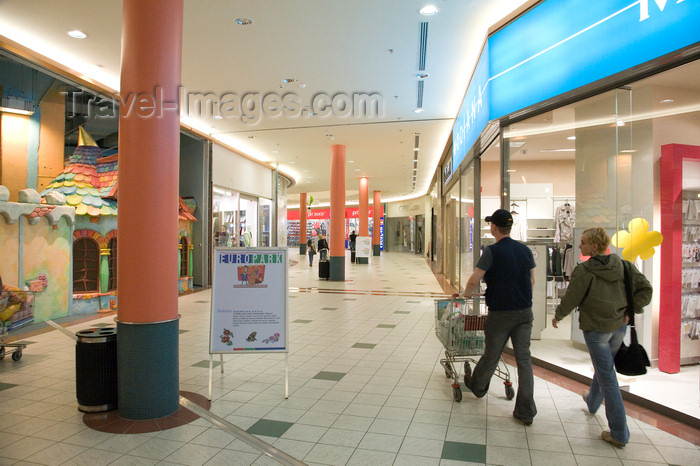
{"x": 76, "y": 34}
{"x": 244, "y": 21}
{"x": 666, "y": 101}
{"x": 419, "y": 110}
{"x": 571, "y": 138}
{"x": 557, "y": 150}
{"x": 429, "y": 10}
{"x": 351, "y": 161}
{"x": 218, "y": 117}
{"x": 292, "y": 162}
{"x": 275, "y": 152}
{"x": 517, "y": 144}
{"x": 510, "y": 170}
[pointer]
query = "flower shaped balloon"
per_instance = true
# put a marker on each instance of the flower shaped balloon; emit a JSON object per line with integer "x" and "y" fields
{"x": 639, "y": 241}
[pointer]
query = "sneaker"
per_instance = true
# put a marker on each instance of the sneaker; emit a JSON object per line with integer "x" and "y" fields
{"x": 527, "y": 422}
{"x": 608, "y": 438}
{"x": 584, "y": 395}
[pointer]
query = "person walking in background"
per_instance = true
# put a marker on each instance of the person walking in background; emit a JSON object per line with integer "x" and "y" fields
{"x": 352, "y": 237}
{"x": 597, "y": 288}
{"x": 322, "y": 248}
{"x": 311, "y": 251}
{"x": 508, "y": 268}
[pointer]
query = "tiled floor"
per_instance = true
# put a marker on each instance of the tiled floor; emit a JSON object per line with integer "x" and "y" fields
{"x": 366, "y": 387}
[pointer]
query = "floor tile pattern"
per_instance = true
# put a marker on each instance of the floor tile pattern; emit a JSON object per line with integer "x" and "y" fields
{"x": 366, "y": 388}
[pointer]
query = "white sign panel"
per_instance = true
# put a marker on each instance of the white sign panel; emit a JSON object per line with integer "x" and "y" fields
{"x": 249, "y": 300}
{"x": 363, "y": 246}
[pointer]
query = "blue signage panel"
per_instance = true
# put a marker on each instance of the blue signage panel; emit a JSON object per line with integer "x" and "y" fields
{"x": 473, "y": 114}
{"x": 561, "y": 45}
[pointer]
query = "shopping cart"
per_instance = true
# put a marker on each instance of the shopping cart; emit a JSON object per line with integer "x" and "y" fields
{"x": 459, "y": 325}
{"x": 7, "y": 310}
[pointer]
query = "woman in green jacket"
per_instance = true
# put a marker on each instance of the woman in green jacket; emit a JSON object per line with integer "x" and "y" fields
{"x": 597, "y": 288}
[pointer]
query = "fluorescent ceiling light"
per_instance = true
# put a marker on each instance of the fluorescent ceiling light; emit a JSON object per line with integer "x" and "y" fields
{"x": 571, "y": 138}
{"x": 16, "y": 111}
{"x": 557, "y": 150}
{"x": 419, "y": 110}
{"x": 517, "y": 144}
{"x": 429, "y": 10}
{"x": 76, "y": 34}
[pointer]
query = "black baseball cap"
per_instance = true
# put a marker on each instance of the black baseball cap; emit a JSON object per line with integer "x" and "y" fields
{"x": 501, "y": 218}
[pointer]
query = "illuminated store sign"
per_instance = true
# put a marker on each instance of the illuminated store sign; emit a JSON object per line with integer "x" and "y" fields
{"x": 562, "y": 45}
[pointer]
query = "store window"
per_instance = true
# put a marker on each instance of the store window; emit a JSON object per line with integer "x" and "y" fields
{"x": 596, "y": 163}
{"x": 264, "y": 222}
{"x": 452, "y": 234}
{"x": 86, "y": 265}
{"x": 467, "y": 224}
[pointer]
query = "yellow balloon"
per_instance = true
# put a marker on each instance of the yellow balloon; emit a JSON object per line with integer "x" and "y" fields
{"x": 638, "y": 242}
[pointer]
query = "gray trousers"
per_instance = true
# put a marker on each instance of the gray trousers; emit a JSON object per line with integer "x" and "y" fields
{"x": 499, "y": 326}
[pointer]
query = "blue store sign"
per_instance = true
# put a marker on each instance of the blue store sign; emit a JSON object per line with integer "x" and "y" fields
{"x": 561, "y": 45}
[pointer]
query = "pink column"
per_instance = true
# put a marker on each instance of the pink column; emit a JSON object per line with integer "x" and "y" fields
{"x": 149, "y": 145}
{"x": 364, "y": 214}
{"x": 337, "y": 243}
{"x": 376, "y": 220}
{"x": 302, "y": 223}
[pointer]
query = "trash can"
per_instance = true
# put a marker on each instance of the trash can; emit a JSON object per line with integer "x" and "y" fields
{"x": 96, "y": 369}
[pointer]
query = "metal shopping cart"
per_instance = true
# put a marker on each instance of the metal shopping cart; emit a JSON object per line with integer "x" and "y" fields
{"x": 7, "y": 310}
{"x": 459, "y": 325}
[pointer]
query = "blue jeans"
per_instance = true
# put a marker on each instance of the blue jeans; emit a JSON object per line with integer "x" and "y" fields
{"x": 603, "y": 347}
{"x": 499, "y": 326}
{"x": 311, "y": 258}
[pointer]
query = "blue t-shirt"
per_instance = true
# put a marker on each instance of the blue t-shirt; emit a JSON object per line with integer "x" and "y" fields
{"x": 507, "y": 264}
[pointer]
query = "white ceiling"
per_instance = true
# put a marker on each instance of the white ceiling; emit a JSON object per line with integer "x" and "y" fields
{"x": 331, "y": 47}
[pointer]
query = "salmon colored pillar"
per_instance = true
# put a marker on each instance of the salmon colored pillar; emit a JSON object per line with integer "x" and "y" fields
{"x": 302, "y": 224}
{"x": 149, "y": 145}
{"x": 337, "y": 244}
{"x": 376, "y": 224}
{"x": 364, "y": 215}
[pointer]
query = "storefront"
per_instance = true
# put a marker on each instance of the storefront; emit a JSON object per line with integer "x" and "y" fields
{"x": 247, "y": 199}
{"x": 318, "y": 222}
{"x": 587, "y": 127}
{"x": 406, "y": 228}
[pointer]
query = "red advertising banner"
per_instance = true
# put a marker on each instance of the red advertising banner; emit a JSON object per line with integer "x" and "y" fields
{"x": 350, "y": 212}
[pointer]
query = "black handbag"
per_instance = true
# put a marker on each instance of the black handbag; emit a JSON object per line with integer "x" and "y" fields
{"x": 632, "y": 359}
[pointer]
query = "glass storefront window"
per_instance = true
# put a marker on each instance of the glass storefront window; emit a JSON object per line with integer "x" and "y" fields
{"x": 264, "y": 219}
{"x": 452, "y": 235}
{"x": 597, "y": 163}
{"x": 467, "y": 225}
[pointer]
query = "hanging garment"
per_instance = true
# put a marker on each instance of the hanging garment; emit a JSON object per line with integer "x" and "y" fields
{"x": 564, "y": 222}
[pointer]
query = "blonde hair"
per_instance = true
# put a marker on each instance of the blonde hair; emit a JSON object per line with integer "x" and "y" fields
{"x": 598, "y": 237}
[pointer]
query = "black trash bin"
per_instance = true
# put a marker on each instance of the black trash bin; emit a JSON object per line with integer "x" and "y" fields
{"x": 96, "y": 369}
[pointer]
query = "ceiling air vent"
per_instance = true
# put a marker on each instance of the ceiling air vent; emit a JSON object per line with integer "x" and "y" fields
{"x": 422, "y": 48}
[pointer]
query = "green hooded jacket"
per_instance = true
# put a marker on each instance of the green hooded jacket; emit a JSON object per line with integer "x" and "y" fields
{"x": 597, "y": 288}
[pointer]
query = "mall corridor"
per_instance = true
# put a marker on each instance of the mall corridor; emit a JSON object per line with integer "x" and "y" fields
{"x": 366, "y": 388}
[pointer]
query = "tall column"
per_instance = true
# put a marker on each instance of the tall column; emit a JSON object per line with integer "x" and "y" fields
{"x": 337, "y": 253}
{"x": 149, "y": 144}
{"x": 302, "y": 223}
{"x": 376, "y": 220}
{"x": 364, "y": 214}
